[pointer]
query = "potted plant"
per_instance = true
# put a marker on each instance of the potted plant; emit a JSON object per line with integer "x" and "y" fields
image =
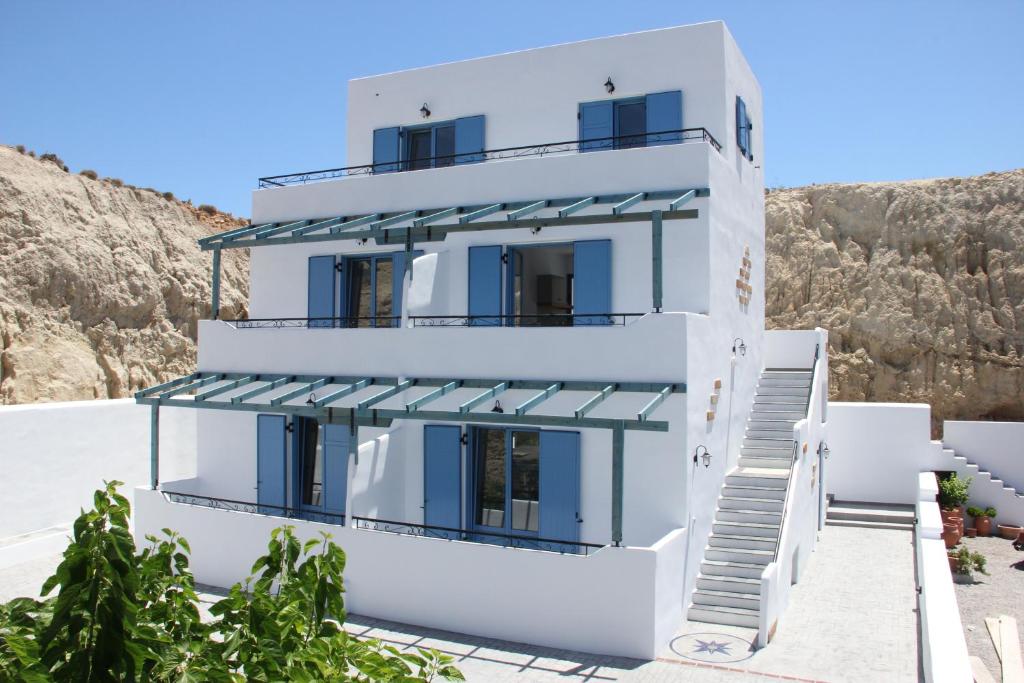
{"x": 953, "y": 493}
{"x": 1009, "y": 531}
{"x": 964, "y": 563}
{"x": 982, "y": 519}
{"x": 950, "y": 534}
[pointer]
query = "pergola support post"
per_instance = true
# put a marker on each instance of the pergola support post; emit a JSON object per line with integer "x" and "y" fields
{"x": 618, "y": 445}
{"x": 656, "y": 260}
{"x": 154, "y": 446}
{"x": 215, "y": 305}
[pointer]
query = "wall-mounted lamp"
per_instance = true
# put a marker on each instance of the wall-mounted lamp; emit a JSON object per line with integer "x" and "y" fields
{"x": 741, "y": 347}
{"x": 825, "y": 450}
{"x": 497, "y": 407}
{"x": 311, "y": 401}
{"x": 609, "y": 86}
{"x": 535, "y": 230}
{"x": 425, "y": 111}
{"x": 705, "y": 457}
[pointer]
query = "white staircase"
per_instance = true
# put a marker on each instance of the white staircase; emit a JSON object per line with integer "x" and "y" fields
{"x": 871, "y": 515}
{"x": 749, "y": 515}
{"x": 987, "y": 489}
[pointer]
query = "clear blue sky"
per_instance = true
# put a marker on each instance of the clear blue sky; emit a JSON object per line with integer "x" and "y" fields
{"x": 202, "y": 97}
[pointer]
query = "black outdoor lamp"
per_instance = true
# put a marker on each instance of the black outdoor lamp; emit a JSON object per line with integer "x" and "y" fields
{"x": 609, "y": 86}
{"x": 705, "y": 457}
{"x": 311, "y": 401}
{"x": 742, "y": 348}
{"x": 425, "y": 111}
{"x": 825, "y": 450}
{"x": 497, "y": 407}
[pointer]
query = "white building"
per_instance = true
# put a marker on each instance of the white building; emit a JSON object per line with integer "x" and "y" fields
{"x": 509, "y": 356}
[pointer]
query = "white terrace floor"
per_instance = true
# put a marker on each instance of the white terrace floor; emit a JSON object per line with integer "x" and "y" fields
{"x": 852, "y": 618}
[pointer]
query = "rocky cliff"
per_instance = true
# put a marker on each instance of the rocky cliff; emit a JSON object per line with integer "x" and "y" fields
{"x": 920, "y": 284}
{"x": 100, "y": 283}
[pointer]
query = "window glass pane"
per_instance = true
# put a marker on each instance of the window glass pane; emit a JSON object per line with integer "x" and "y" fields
{"x": 525, "y": 481}
{"x": 631, "y": 124}
{"x": 312, "y": 462}
{"x": 490, "y": 477}
{"x": 419, "y": 149}
{"x": 444, "y": 145}
{"x": 384, "y": 291}
{"x": 359, "y": 293}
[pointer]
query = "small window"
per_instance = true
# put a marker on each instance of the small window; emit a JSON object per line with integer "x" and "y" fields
{"x": 419, "y": 155}
{"x": 630, "y": 124}
{"x": 743, "y": 128}
{"x": 446, "y": 143}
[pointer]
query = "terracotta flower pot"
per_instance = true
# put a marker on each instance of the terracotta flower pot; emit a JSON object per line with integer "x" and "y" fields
{"x": 970, "y": 532}
{"x": 1008, "y": 531}
{"x": 984, "y": 525}
{"x": 949, "y": 535}
{"x": 952, "y": 564}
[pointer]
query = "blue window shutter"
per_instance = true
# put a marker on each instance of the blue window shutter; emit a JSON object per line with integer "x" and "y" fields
{"x": 485, "y": 285}
{"x": 442, "y": 477}
{"x": 336, "y": 438}
{"x": 595, "y": 122}
{"x": 592, "y": 282}
{"x": 664, "y": 112}
{"x": 469, "y": 139}
{"x": 270, "y": 460}
{"x": 386, "y": 149}
{"x": 559, "y": 486}
{"x": 320, "y": 297}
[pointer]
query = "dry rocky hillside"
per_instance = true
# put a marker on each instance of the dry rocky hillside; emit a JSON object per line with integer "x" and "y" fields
{"x": 921, "y": 285}
{"x": 100, "y": 283}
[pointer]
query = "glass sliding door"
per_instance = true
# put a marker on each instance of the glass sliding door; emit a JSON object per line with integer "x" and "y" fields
{"x": 360, "y": 302}
{"x": 371, "y": 291}
{"x": 505, "y": 482}
{"x": 525, "y": 481}
{"x": 383, "y": 291}
{"x": 309, "y": 465}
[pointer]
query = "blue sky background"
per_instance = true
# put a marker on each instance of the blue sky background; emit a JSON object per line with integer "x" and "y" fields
{"x": 202, "y": 97}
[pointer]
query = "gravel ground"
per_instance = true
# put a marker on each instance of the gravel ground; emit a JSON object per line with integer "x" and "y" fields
{"x": 1002, "y": 592}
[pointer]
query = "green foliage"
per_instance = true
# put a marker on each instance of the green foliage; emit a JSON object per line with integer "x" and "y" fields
{"x": 119, "y": 615}
{"x": 208, "y": 209}
{"x": 968, "y": 562}
{"x": 990, "y": 512}
{"x": 975, "y": 512}
{"x": 953, "y": 491}
{"x": 168, "y": 196}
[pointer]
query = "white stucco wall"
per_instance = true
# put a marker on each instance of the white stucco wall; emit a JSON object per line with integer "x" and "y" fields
{"x": 995, "y": 446}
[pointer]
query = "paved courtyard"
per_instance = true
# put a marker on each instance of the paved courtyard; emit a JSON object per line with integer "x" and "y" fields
{"x": 852, "y": 618}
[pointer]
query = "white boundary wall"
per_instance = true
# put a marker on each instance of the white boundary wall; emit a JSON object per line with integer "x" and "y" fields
{"x": 618, "y": 601}
{"x": 943, "y": 647}
{"x": 995, "y": 446}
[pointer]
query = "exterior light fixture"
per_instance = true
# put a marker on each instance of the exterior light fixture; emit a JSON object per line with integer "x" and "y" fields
{"x": 609, "y": 86}
{"x": 425, "y": 111}
{"x": 741, "y": 347}
{"x": 825, "y": 450}
{"x": 311, "y": 401}
{"x": 497, "y": 407}
{"x": 705, "y": 457}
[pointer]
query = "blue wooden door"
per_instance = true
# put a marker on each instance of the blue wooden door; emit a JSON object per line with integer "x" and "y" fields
{"x": 469, "y": 139}
{"x": 485, "y": 285}
{"x": 270, "y": 462}
{"x": 321, "y": 288}
{"x": 560, "y": 487}
{"x": 596, "y": 121}
{"x": 386, "y": 150}
{"x": 442, "y": 478}
{"x": 592, "y": 282}
{"x": 664, "y": 112}
{"x": 336, "y": 441}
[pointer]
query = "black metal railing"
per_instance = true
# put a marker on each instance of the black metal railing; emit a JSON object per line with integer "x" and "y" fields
{"x": 357, "y": 322}
{"x": 255, "y": 508}
{"x": 477, "y": 536}
{"x": 536, "y": 320}
{"x": 677, "y": 136}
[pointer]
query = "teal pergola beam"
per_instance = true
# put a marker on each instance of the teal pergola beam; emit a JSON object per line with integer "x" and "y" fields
{"x": 618, "y": 472}
{"x": 480, "y": 213}
{"x": 595, "y": 401}
{"x": 622, "y": 206}
{"x": 261, "y": 234}
{"x": 341, "y": 393}
{"x": 526, "y": 210}
{"x": 535, "y": 401}
{"x": 270, "y": 386}
{"x": 215, "y": 286}
{"x": 170, "y": 384}
{"x": 646, "y": 411}
{"x": 386, "y": 394}
{"x": 354, "y": 223}
{"x": 301, "y": 391}
{"x": 440, "y": 215}
{"x": 400, "y": 218}
{"x": 220, "y": 237}
{"x": 318, "y": 225}
{"x": 578, "y": 206}
{"x": 225, "y": 388}
{"x": 679, "y": 201}
{"x": 657, "y": 262}
{"x": 197, "y": 384}
{"x": 154, "y": 446}
{"x": 482, "y": 398}
{"x": 433, "y": 395}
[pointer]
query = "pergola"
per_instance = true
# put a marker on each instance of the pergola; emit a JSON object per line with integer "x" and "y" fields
{"x": 278, "y": 393}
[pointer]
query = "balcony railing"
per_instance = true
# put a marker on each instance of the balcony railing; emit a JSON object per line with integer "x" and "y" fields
{"x": 681, "y": 135}
{"x": 255, "y": 508}
{"x": 260, "y": 323}
{"x": 477, "y": 536}
{"x": 536, "y": 320}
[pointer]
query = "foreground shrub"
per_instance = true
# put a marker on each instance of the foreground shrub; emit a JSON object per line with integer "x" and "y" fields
{"x": 89, "y": 173}
{"x": 120, "y": 615}
{"x": 169, "y": 196}
{"x": 208, "y": 209}
{"x": 116, "y": 182}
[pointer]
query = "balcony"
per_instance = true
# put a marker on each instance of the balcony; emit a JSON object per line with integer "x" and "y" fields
{"x": 392, "y": 322}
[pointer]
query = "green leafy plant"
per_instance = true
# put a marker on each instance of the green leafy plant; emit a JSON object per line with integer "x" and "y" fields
{"x": 953, "y": 491}
{"x": 975, "y": 512}
{"x": 968, "y": 562}
{"x": 990, "y": 512}
{"x": 119, "y": 615}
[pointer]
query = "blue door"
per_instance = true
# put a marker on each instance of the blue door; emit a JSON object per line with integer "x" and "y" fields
{"x": 336, "y": 440}
{"x": 560, "y": 487}
{"x": 596, "y": 121}
{"x": 664, "y": 112}
{"x": 485, "y": 285}
{"x": 442, "y": 479}
{"x": 270, "y": 463}
{"x": 386, "y": 150}
{"x": 320, "y": 300}
{"x": 592, "y": 282}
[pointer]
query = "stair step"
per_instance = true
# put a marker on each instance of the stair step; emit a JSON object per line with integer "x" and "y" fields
{"x": 747, "y": 570}
{"x": 755, "y": 516}
{"x": 764, "y": 442}
{"x": 902, "y": 526}
{"x": 758, "y": 476}
{"x": 871, "y": 513}
{"x": 756, "y": 415}
{"x": 781, "y": 391}
{"x": 702, "y": 596}
{"x": 794, "y": 382}
{"x": 760, "y": 530}
{"x": 784, "y": 452}
{"x": 750, "y": 504}
{"x": 745, "y": 490}
{"x": 770, "y": 433}
{"x": 765, "y": 462}
{"x": 729, "y": 584}
{"x": 786, "y": 372}
{"x": 756, "y": 556}
{"x": 729, "y": 616}
{"x": 742, "y": 542}
{"x": 781, "y": 426}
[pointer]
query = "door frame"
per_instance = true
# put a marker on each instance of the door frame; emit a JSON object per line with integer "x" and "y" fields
{"x": 471, "y": 481}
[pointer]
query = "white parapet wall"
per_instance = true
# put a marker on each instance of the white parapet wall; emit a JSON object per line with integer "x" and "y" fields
{"x": 617, "y": 601}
